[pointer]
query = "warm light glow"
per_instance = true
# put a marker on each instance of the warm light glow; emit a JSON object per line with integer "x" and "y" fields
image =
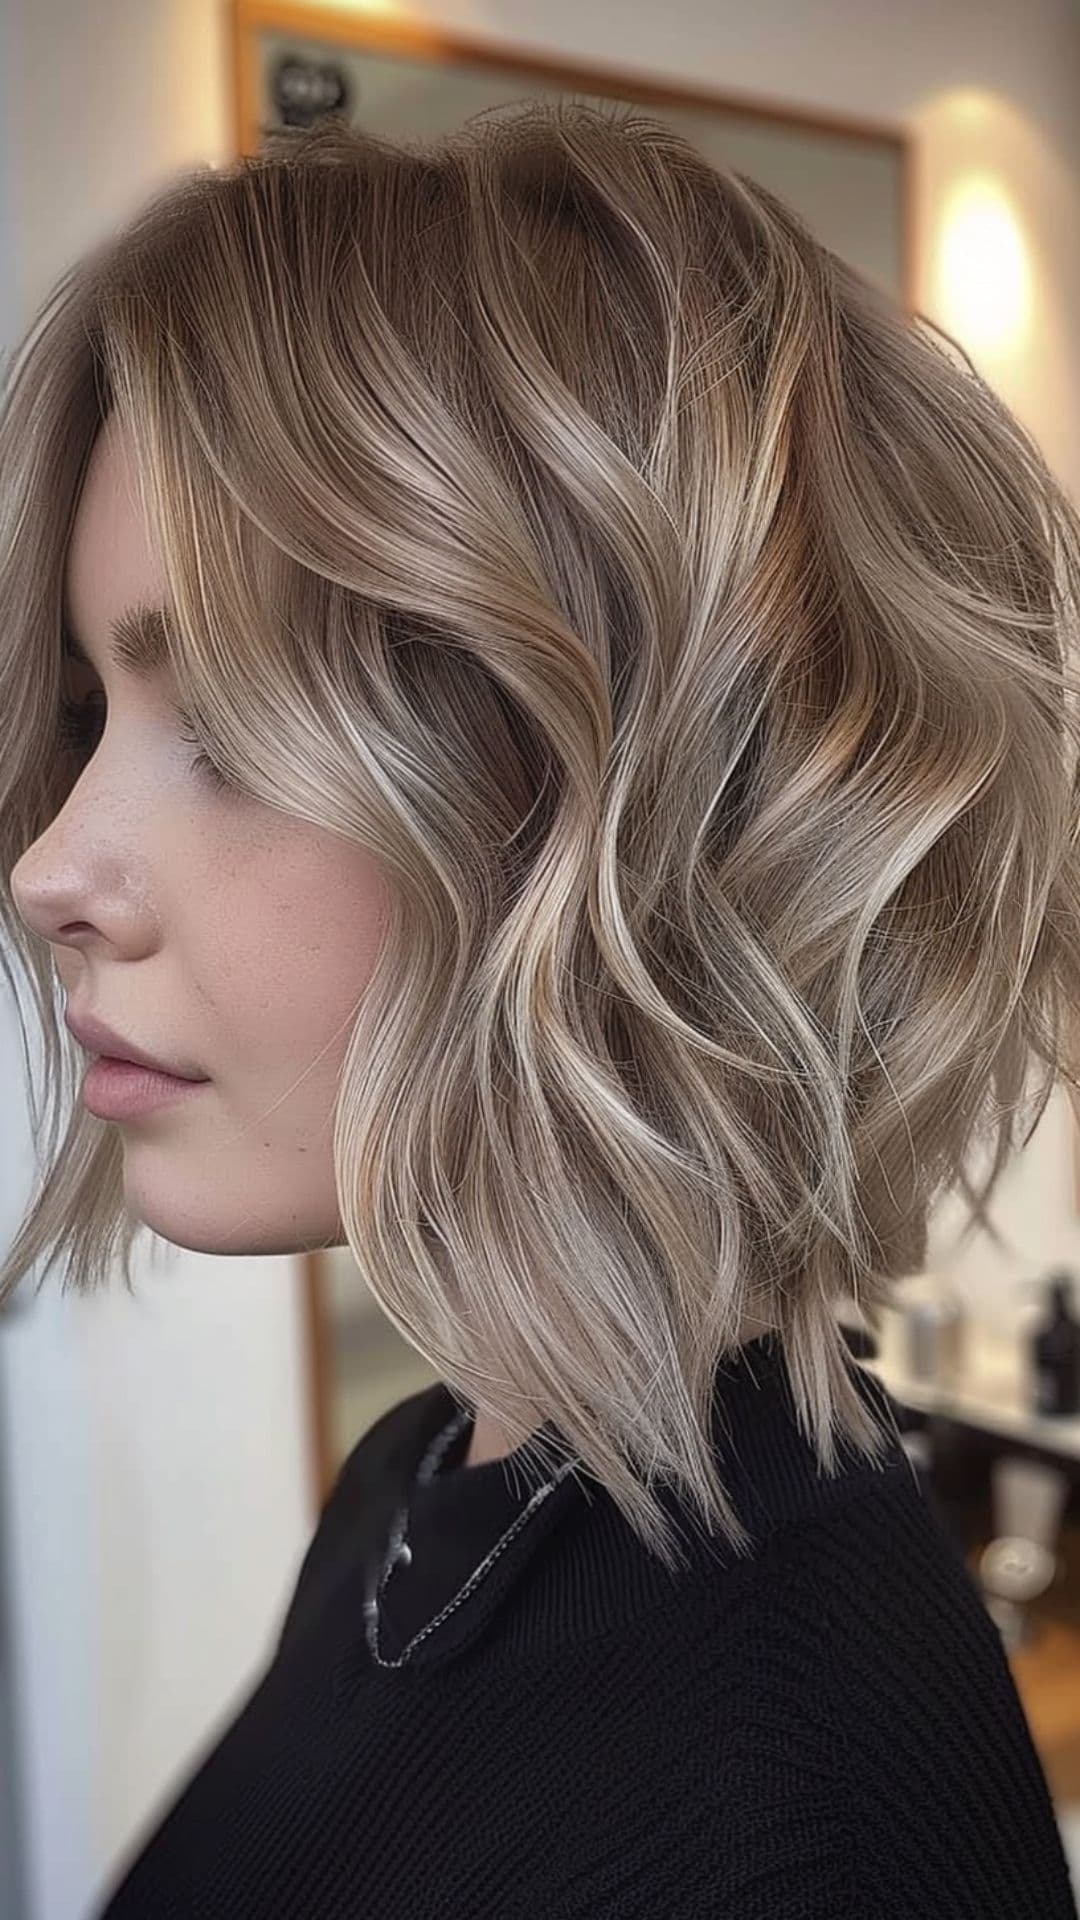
{"x": 388, "y": 9}
{"x": 984, "y": 278}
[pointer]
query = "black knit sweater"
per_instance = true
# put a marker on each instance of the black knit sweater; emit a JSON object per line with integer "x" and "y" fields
{"x": 826, "y": 1729}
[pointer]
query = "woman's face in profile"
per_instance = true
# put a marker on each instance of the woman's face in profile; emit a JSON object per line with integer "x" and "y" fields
{"x": 207, "y": 929}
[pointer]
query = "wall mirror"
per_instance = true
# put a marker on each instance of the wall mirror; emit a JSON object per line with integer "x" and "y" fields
{"x": 850, "y": 181}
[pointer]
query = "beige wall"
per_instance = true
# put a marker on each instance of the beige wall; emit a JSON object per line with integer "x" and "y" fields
{"x": 119, "y": 1419}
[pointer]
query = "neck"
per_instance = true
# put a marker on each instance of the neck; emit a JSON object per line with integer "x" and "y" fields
{"x": 488, "y": 1442}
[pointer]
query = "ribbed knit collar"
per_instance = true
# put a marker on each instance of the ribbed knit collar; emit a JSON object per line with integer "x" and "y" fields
{"x": 587, "y": 1571}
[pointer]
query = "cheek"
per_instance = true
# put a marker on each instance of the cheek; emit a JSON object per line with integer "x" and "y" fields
{"x": 296, "y": 938}
{"x": 275, "y": 957}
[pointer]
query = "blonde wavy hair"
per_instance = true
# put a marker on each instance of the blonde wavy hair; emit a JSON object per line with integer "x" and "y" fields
{"x": 685, "y": 627}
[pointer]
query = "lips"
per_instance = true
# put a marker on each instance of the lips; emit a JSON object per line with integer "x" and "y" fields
{"x": 100, "y": 1039}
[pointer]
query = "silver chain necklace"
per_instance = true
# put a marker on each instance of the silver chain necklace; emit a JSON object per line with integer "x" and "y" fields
{"x": 399, "y": 1553}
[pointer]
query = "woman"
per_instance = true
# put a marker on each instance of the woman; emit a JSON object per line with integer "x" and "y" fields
{"x": 628, "y": 861}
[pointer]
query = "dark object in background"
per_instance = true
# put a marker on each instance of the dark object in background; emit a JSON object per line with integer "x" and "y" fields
{"x": 1055, "y": 1352}
{"x": 860, "y": 1341}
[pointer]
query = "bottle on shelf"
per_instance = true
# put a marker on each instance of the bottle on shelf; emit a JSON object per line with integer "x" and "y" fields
{"x": 1055, "y": 1350}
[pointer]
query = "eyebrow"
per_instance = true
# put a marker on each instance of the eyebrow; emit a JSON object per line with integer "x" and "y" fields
{"x": 141, "y": 641}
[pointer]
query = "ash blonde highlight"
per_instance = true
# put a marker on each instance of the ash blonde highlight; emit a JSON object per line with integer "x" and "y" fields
{"x": 687, "y": 630}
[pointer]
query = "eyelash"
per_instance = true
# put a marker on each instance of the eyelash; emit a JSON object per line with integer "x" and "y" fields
{"x": 75, "y": 725}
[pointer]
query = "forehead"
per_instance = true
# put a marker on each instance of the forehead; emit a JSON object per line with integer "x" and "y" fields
{"x": 114, "y": 589}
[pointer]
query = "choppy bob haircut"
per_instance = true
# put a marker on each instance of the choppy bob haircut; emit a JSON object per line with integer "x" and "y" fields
{"x": 685, "y": 628}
